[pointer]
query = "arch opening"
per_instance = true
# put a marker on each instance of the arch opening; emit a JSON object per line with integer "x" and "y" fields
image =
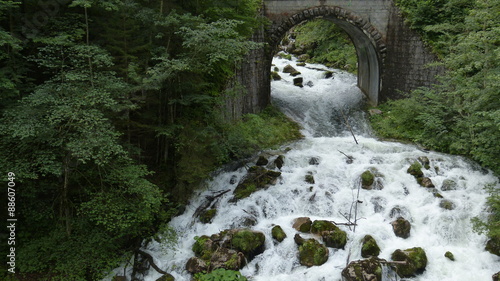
{"x": 370, "y": 48}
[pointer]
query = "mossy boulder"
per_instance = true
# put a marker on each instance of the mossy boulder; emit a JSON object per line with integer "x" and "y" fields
{"x": 299, "y": 82}
{"x": 278, "y": 233}
{"x": 369, "y": 247}
{"x": 289, "y": 69}
{"x": 336, "y": 238}
{"x": 496, "y": 276}
{"x": 250, "y": 243}
{"x": 449, "y": 255}
{"x": 425, "y": 162}
{"x": 415, "y": 170}
{"x": 493, "y": 246}
{"x": 362, "y": 270}
{"x": 415, "y": 261}
{"x": 303, "y": 58}
{"x": 367, "y": 180}
{"x": 229, "y": 249}
{"x": 312, "y": 252}
{"x": 401, "y": 227}
{"x": 309, "y": 178}
{"x": 257, "y": 178}
{"x": 318, "y": 226}
{"x": 220, "y": 274}
{"x": 279, "y": 161}
{"x": 302, "y": 224}
{"x": 328, "y": 74}
{"x": 449, "y": 185}
{"x": 425, "y": 182}
{"x": 447, "y": 204}
{"x": 262, "y": 161}
{"x": 275, "y": 76}
{"x": 301, "y": 64}
{"x": 208, "y": 215}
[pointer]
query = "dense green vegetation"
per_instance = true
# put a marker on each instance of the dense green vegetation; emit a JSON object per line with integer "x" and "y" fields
{"x": 461, "y": 115}
{"x": 325, "y": 43}
{"x": 110, "y": 114}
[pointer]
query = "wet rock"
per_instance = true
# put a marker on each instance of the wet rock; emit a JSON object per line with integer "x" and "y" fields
{"x": 493, "y": 246}
{"x": 447, "y": 204}
{"x": 195, "y": 265}
{"x": 298, "y": 82}
{"x": 262, "y": 161}
{"x": 328, "y": 74}
{"x": 228, "y": 259}
{"x": 364, "y": 270}
{"x": 369, "y": 247}
{"x": 309, "y": 83}
{"x": 312, "y": 252}
{"x": 401, "y": 227}
{"x": 208, "y": 215}
{"x": 314, "y": 161}
{"x": 399, "y": 211}
{"x": 279, "y": 161}
{"x": 302, "y": 224}
{"x": 301, "y": 64}
{"x": 449, "y": 185}
{"x": 425, "y": 162}
{"x": 275, "y": 76}
{"x": 298, "y": 239}
{"x": 449, "y": 255}
{"x": 415, "y": 170}
{"x": 319, "y": 226}
{"x": 278, "y": 233}
{"x": 257, "y": 178}
{"x": 496, "y": 276}
{"x": 367, "y": 180}
{"x": 309, "y": 179}
{"x": 233, "y": 180}
{"x": 335, "y": 238}
{"x": 250, "y": 243}
{"x": 415, "y": 261}
{"x": 289, "y": 69}
{"x": 425, "y": 182}
{"x": 303, "y": 58}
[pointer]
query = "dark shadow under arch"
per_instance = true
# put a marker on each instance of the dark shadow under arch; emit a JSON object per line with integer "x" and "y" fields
{"x": 368, "y": 42}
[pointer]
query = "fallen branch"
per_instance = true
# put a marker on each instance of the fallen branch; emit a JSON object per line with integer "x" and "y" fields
{"x": 151, "y": 261}
{"x": 207, "y": 203}
{"x": 348, "y": 126}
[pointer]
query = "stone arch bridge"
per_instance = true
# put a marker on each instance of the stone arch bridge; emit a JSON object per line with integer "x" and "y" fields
{"x": 392, "y": 59}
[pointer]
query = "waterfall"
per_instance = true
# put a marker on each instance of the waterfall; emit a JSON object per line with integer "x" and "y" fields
{"x": 322, "y": 107}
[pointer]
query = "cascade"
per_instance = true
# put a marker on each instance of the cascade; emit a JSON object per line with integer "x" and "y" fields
{"x": 330, "y": 155}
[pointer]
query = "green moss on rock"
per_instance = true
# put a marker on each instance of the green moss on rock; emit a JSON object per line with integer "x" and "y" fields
{"x": 208, "y": 215}
{"x": 250, "y": 243}
{"x": 319, "y": 226}
{"x": 336, "y": 238}
{"x": 367, "y": 179}
{"x": 370, "y": 247}
{"x": 361, "y": 270}
{"x": 450, "y": 256}
{"x": 493, "y": 246}
{"x": 415, "y": 170}
{"x": 415, "y": 258}
{"x": 312, "y": 252}
{"x": 257, "y": 178}
{"x": 278, "y": 233}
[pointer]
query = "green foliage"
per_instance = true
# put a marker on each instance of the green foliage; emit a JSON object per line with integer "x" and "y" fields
{"x": 328, "y": 44}
{"x": 220, "y": 274}
{"x": 490, "y": 226}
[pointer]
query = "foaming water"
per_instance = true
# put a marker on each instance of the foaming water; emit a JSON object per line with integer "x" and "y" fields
{"x": 331, "y": 197}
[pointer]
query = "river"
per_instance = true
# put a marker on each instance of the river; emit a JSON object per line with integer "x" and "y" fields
{"x": 323, "y": 107}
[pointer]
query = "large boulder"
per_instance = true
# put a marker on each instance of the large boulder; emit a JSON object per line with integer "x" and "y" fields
{"x": 312, "y": 252}
{"x": 364, "y": 270}
{"x": 401, "y": 227}
{"x": 250, "y": 243}
{"x": 257, "y": 178}
{"x": 369, "y": 247}
{"x": 493, "y": 246}
{"x": 335, "y": 238}
{"x": 415, "y": 170}
{"x": 318, "y": 226}
{"x": 371, "y": 179}
{"x": 496, "y": 276}
{"x": 413, "y": 261}
{"x": 229, "y": 249}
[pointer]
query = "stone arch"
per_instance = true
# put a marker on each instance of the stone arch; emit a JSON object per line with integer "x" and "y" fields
{"x": 368, "y": 41}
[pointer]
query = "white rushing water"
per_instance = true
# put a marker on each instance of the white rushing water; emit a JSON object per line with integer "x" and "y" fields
{"x": 318, "y": 108}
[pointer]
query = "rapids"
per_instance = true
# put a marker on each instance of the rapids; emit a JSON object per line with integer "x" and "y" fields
{"x": 320, "y": 107}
